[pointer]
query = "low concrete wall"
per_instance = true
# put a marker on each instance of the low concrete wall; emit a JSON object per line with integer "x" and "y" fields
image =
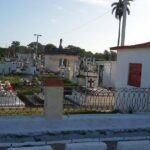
{"x": 134, "y": 145}
{"x": 86, "y": 146}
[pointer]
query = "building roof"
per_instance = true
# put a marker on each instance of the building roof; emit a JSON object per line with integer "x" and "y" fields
{"x": 143, "y": 45}
{"x": 59, "y": 51}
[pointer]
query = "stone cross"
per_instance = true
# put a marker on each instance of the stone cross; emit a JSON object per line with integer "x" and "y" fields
{"x": 91, "y": 82}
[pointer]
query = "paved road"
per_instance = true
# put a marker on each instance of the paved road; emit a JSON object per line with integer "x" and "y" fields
{"x": 31, "y": 124}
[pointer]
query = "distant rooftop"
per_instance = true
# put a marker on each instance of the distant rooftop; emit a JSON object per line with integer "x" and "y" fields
{"x": 60, "y": 50}
{"x": 143, "y": 45}
{"x": 65, "y": 51}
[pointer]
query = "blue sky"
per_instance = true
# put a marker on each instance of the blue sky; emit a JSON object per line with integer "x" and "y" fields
{"x": 84, "y": 23}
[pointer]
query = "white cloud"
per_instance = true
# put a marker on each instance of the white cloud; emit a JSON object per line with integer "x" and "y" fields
{"x": 52, "y": 20}
{"x": 96, "y": 2}
{"x": 58, "y": 7}
{"x": 84, "y": 12}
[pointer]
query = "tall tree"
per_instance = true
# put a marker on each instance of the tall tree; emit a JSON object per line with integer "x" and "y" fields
{"x": 49, "y": 47}
{"x": 106, "y": 55}
{"x": 113, "y": 56}
{"x": 99, "y": 56}
{"x": 118, "y": 9}
{"x": 15, "y": 44}
{"x": 33, "y": 45}
{"x": 14, "y": 47}
{"x": 24, "y": 49}
{"x": 76, "y": 49}
{"x": 125, "y": 11}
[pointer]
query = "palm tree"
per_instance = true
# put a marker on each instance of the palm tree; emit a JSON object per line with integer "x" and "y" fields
{"x": 126, "y": 9}
{"x": 118, "y": 8}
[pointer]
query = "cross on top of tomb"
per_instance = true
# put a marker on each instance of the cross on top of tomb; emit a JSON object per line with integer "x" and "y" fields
{"x": 91, "y": 82}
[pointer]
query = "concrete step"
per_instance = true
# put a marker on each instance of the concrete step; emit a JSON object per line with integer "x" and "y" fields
{"x": 86, "y": 146}
{"x": 32, "y": 148}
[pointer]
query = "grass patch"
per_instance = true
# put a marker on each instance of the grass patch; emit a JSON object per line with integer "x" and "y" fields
{"x": 27, "y": 90}
{"x": 27, "y": 111}
{"x": 83, "y": 111}
{"x": 15, "y": 82}
{"x": 43, "y": 77}
{"x": 34, "y": 111}
{"x": 11, "y": 78}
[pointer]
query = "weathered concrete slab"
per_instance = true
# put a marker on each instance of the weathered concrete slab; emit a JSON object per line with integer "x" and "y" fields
{"x": 134, "y": 145}
{"x": 86, "y": 146}
{"x": 32, "y": 148}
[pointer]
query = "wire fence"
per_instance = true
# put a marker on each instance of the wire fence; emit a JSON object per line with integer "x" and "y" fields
{"x": 101, "y": 100}
{"x": 106, "y": 100}
{"x": 79, "y": 99}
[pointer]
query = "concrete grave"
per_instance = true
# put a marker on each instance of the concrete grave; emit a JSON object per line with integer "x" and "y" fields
{"x": 32, "y": 148}
{"x": 10, "y": 101}
{"x": 86, "y": 146}
{"x": 134, "y": 145}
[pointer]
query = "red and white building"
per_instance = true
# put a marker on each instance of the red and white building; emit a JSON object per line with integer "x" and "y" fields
{"x": 133, "y": 66}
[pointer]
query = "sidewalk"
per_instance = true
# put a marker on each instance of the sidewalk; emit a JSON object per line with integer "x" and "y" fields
{"x": 22, "y": 125}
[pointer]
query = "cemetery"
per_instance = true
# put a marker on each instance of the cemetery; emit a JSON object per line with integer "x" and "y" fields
{"x": 106, "y": 132}
{"x": 28, "y": 64}
{"x": 82, "y": 104}
{"x": 93, "y": 85}
{"x": 67, "y": 97}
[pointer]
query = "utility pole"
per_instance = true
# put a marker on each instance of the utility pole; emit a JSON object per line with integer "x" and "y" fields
{"x": 37, "y": 38}
{"x": 124, "y": 22}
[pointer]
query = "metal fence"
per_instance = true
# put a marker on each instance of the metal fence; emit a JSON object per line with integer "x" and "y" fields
{"x": 78, "y": 99}
{"x": 106, "y": 100}
{"x": 101, "y": 100}
{"x": 132, "y": 100}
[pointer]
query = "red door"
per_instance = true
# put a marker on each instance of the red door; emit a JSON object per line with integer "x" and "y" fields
{"x": 135, "y": 72}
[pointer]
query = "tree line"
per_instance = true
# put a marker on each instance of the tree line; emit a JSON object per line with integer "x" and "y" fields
{"x": 16, "y": 47}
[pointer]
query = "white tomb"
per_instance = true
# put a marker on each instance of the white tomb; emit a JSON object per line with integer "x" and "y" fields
{"x": 8, "y": 97}
{"x": 8, "y": 101}
{"x": 106, "y": 73}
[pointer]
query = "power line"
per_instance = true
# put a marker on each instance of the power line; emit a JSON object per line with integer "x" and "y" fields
{"x": 86, "y": 23}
